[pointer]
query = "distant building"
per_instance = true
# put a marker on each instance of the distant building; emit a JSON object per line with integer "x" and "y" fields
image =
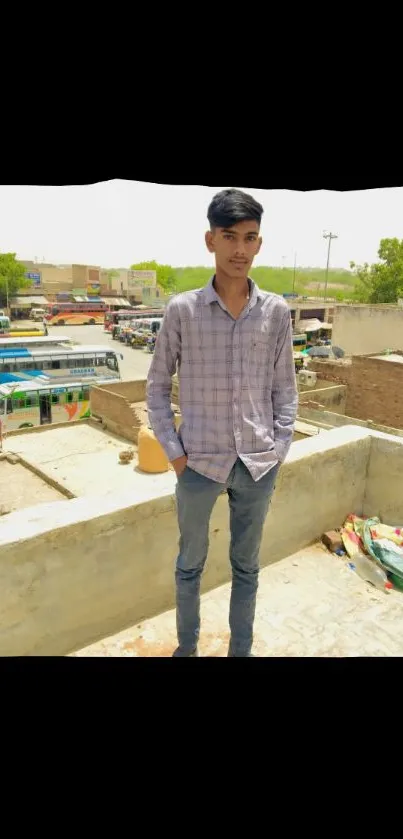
{"x": 51, "y": 283}
{"x": 363, "y": 329}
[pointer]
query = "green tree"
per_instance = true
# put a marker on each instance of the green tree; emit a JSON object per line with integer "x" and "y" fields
{"x": 12, "y": 275}
{"x": 166, "y": 275}
{"x": 381, "y": 282}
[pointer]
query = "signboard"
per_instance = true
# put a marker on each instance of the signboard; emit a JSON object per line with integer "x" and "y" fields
{"x": 141, "y": 279}
{"x": 34, "y": 276}
{"x": 93, "y": 289}
{"x": 83, "y": 371}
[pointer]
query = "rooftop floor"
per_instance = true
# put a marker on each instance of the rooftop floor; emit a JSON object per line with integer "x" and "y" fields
{"x": 85, "y": 460}
{"x": 18, "y": 486}
{"x": 310, "y": 604}
{"x": 390, "y": 357}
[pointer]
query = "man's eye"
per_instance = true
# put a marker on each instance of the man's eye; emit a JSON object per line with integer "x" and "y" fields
{"x": 228, "y": 236}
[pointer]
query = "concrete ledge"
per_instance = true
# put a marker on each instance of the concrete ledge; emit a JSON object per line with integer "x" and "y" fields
{"x": 38, "y": 429}
{"x": 329, "y": 419}
{"x": 330, "y": 396}
{"x": 82, "y": 569}
{"x": 47, "y": 478}
{"x": 384, "y": 484}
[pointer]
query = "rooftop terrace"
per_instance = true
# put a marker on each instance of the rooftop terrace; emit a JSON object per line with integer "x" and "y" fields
{"x": 83, "y": 459}
{"x": 77, "y": 571}
{"x": 309, "y": 604}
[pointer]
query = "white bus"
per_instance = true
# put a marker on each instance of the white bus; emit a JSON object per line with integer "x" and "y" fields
{"x": 26, "y": 404}
{"x": 33, "y": 343}
{"x": 94, "y": 364}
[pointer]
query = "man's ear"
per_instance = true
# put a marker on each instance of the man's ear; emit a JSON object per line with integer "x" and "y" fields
{"x": 209, "y": 238}
{"x": 259, "y": 245}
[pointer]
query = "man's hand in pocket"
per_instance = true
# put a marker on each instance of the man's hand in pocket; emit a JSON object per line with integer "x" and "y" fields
{"x": 180, "y": 464}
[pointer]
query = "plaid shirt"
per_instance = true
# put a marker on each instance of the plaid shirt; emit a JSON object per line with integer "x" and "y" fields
{"x": 237, "y": 387}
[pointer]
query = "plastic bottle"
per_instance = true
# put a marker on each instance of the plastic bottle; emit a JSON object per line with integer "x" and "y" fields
{"x": 370, "y": 571}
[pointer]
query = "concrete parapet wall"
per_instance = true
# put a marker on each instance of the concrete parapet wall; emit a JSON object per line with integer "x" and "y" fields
{"x": 82, "y": 569}
{"x": 330, "y": 398}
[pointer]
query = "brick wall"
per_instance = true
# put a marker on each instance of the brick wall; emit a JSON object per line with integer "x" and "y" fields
{"x": 115, "y": 412}
{"x": 133, "y": 391}
{"x": 374, "y": 388}
{"x": 330, "y": 371}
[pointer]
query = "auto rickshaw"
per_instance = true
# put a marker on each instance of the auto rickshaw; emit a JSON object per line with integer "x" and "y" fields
{"x": 145, "y": 330}
{"x": 140, "y": 336}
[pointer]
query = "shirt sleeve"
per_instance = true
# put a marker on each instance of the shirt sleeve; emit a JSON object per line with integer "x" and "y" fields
{"x": 159, "y": 383}
{"x": 284, "y": 392}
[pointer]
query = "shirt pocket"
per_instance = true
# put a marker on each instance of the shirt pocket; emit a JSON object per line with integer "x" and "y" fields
{"x": 260, "y": 341}
{"x": 261, "y": 347}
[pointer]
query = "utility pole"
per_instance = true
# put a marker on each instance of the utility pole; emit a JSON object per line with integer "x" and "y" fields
{"x": 295, "y": 268}
{"x": 328, "y": 236}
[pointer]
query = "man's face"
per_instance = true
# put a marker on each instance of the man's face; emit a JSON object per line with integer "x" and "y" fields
{"x": 234, "y": 247}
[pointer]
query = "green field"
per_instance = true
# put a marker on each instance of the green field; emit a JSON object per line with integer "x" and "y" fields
{"x": 308, "y": 282}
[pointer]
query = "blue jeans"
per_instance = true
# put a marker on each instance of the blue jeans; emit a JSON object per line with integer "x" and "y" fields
{"x": 249, "y": 502}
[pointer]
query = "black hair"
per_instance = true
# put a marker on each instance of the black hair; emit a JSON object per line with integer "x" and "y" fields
{"x": 232, "y": 206}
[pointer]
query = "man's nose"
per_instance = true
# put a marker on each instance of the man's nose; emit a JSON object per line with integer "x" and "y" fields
{"x": 240, "y": 248}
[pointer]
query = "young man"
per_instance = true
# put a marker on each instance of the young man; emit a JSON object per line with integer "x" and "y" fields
{"x": 232, "y": 346}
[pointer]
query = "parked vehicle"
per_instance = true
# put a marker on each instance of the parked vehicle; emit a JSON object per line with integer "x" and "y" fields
{"x": 28, "y": 404}
{"x": 146, "y": 329}
{"x": 113, "y": 319}
{"x": 140, "y": 337}
{"x": 76, "y": 314}
{"x": 9, "y": 342}
{"x": 38, "y": 314}
{"x": 88, "y": 363}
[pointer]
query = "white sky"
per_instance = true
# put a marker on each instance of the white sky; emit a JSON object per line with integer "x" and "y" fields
{"x": 116, "y": 223}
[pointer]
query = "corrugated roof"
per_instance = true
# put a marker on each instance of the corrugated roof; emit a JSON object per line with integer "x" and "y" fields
{"x": 85, "y": 300}
{"x": 311, "y": 325}
{"x": 34, "y": 300}
{"x": 115, "y": 301}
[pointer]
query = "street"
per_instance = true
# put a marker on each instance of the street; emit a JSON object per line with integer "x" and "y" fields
{"x": 135, "y": 363}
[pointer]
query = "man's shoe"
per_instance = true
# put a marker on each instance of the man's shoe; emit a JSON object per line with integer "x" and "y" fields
{"x": 231, "y": 655}
{"x": 179, "y": 653}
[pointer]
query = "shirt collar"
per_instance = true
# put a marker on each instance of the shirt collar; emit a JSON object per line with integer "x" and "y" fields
{"x": 210, "y": 295}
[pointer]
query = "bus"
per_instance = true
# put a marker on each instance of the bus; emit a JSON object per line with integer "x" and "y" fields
{"x": 114, "y": 318}
{"x": 40, "y": 341}
{"x": 93, "y": 364}
{"x": 75, "y": 314}
{"x": 28, "y": 404}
